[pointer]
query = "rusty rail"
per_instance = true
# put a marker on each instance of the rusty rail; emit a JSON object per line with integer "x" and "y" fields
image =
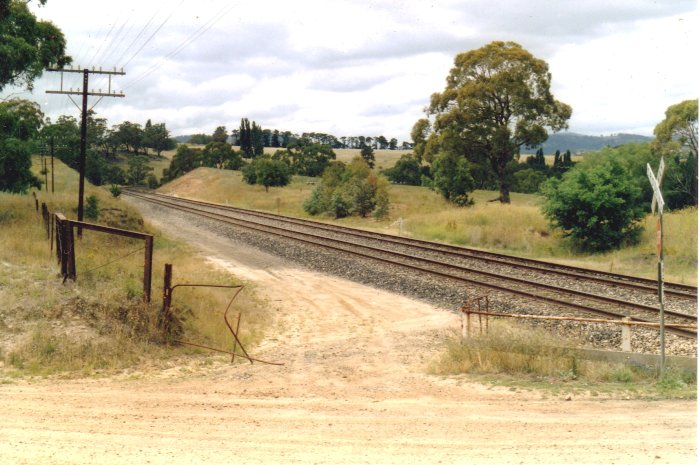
{"x": 585, "y": 320}
{"x": 468, "y": 309}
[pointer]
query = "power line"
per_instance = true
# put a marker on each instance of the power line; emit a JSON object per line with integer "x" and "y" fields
{"x": 152, "y": 35}
{"x": 143, "y": 29}
{"x": 109, "y": 33}
{"x": 194, "y": 36}
{"x": 119, "y": 31}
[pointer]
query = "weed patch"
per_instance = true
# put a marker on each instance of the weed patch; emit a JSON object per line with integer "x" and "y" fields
{"x": 531, "y": 358}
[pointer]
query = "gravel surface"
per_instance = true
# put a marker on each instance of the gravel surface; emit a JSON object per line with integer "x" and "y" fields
{"x": 437, "y": 291}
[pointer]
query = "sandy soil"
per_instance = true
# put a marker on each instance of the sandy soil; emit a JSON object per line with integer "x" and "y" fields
{"x": 353, "y": 389}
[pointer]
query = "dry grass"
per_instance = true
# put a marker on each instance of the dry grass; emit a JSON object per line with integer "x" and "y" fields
{"x": 228, "y": 187}
{"x": 528, "y": 353}
{"x": 518, "y": 228}
{"x": 99, "y": 322}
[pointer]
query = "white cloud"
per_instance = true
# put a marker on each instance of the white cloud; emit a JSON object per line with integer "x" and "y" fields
{"x": 628, "y": 78}
{"x": 368, "y": 67}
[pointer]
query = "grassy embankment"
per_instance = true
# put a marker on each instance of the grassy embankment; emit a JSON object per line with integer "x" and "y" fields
{"x": 518, "y": 228}
{"x": 99, "y": 323}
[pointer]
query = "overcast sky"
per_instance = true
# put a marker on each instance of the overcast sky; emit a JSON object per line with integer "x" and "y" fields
{"x": 366, "y": 67}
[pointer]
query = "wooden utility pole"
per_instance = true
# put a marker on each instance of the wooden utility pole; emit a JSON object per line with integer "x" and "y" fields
{"x": 52, "y": 177}
{"x": 83, "y": 120}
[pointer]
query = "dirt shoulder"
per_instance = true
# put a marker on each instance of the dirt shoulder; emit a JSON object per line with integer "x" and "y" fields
{"x": 353, "y": 389}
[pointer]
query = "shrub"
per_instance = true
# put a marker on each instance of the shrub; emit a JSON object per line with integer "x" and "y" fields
{"x": 152, "y": 181}
{"x": 346, "y": 190}
{"x": 451, "y": 177}
{"x": 92, "y": 209}
{"x": 528, "y": 181}
{"x": 267, "y": 172}
{"x": 249, "y": 175}
{"x": 597, "y": 205}
{"x": 407, "y": 170}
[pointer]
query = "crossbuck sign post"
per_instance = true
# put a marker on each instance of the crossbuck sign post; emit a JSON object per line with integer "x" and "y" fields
{"x": 659, "y": 200}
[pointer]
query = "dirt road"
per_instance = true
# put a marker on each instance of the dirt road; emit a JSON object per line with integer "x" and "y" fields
{"x": 354, "y": 389}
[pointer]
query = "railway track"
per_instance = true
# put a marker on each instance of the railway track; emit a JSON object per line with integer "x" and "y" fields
{"x": 606, "y": 294}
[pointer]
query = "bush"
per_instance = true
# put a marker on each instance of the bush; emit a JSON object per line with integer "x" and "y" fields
{"x": 597, "y": 205}
{"x": 248, "y": 172}
{"x": 340, "y": 206}
{"x": 115, "y": 190}
{"x": 152, "y": 181}
{"x": 528, "y": 181}
{"x": 267, "y": 172}
{"x": 407, "y": 170}
{"x": 451, "y": 177}
{"x": 346, "y": 190}
{"x": 92, "y": 209}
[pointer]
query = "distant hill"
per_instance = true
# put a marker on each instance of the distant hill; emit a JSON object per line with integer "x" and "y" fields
{"x": 182, "y": 139}
{"x": 579, "y": 143}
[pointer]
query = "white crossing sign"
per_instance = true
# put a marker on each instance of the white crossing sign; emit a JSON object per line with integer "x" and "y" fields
{"x": 656, "y": 186}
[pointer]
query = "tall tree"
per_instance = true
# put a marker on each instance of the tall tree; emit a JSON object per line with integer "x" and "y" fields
{"x": 367, "y": 154}
{"x": 246, "y": 139}
{"x": 185, "y": 160}
{"x": 497, "y": 100}
{"x": 678, "y": 132}
{"x": 27, "y": 46}
{"x": 419, "y": 136}
{"x": 220, "y": 134}
{"x": 557, "y": 159}
{"x": 309, "y": 159}
{"x": 158, "y": 138}
{"x": 131, "y": 136}
{"x": 20, "y": 121}
{"x": 220, "y": 155}
{"x": 257, "y": 140}
{"x": 677, "y": 137}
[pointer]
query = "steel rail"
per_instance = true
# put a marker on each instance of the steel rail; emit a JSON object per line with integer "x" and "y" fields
{"x": 285, "y": 233}
{"x": 630, "y": 282}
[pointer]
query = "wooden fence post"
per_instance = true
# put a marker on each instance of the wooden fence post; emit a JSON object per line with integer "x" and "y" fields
{"x": 70, "y": 250}
{"x": 164, "y": 317}
{"x": 148, "y": 268}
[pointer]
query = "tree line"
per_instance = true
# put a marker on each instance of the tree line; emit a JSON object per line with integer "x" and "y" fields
{"x": 245, "y": 135}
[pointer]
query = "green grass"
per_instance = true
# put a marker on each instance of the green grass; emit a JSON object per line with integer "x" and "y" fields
{"x": 99, "y": 323}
